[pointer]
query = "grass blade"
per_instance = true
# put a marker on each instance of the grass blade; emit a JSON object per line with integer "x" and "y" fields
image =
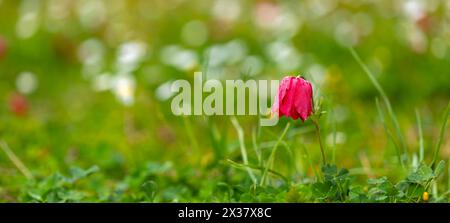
{"x": 386, "y": 101}
{"x": 441, "y": 135}
{"x": 240, "y": 133}
{"x": 22, "y": 168}
{"x": 306, "y": 154}
{"x": 256, "y": 147}
{"x": 421, "y": 141}
{"x": 334, "y": 130}
{"x": 259, "y": 168}
{"x": 272, "y": 154}
{"x": 388, "y": 133}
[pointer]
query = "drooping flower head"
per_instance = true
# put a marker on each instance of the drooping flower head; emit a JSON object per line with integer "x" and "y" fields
{"x": 294, "y": 99}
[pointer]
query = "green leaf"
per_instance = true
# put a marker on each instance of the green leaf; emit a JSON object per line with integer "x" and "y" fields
{"x": 377, "y": 181}
{"x": 320, "y": 190}
{"x": 158, "y": 168}
{"x": 150, "y": 189}
{"x": 439, "y": 168}
{"x": 382, "y": 190}
{"x": 357, "y": 194}
{"x": 35, "y": 196}
{"x": 343, "y": 174}
{"x": 329, "y": 170}
{"x": 422, "y": 175}
{"x": 78, "y": 173}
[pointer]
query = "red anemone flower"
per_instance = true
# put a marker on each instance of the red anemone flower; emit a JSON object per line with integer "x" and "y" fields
{"x": 294, "y": 99}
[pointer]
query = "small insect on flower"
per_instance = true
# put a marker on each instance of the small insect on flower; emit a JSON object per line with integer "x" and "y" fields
{"x": 18, "y": 104}
{"x": 425, "y": 197}
{"x": 294, "y": 99}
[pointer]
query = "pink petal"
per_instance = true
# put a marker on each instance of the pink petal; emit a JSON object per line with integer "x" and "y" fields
{"x": 286, "y": 101}
{"x": 304, "y": 104}
{"x": 294, "y": 98}
{"x": 284, "y": 85}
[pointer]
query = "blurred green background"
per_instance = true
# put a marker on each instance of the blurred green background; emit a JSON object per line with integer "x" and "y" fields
{"x": 87, "y": 83}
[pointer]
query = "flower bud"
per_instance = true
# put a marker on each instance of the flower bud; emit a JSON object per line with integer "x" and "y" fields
{"x": 294, "y": 99}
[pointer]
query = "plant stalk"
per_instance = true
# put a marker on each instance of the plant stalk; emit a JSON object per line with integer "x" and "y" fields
{"x": 319, "y": 138}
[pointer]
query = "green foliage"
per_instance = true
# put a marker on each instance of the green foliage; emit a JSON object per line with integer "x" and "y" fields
{"x": 142, "y": 152}
{"x": 410, "y": 189}
{"x": 57, "y": 187}
{"x": 335, "y": 185}
{"x": 381, "y": 190}
{"x": 161, "y": 182}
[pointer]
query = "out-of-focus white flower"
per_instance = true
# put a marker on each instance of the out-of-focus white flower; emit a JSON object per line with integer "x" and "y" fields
{"x": 58, "y": 9}
{"x": 288, "y": 24}
{"x": 91, "y": 13}
{"x": 26, "y": 82}
{"x": 164, "y": 91}
{"x": 168, "y": 52}
{"x": 195, "y": 33}
{"x": 124, "y": 87}
{"x": 228, "y": 10}
{"x": 316, "y": 9}
{"x": 418, "y": 40}
{"x": 217, "y": 55}
{"x": 414, "y": 9}
{"x": 229, "y": 53}
{"x": 91, "y": 53}
{"x": 317, "y": 73}
{"x": 252, "y": 65}
{"x": 27, "y": 25}
{"x": 57, "y": 13}
{"x": 236, "y": 50}
{"x": 339, "y": 138}
{"x": 129, "y": 55}
{"x": 185, "y": 60}
{"x": 178, "y": 57}
{"x": 346, "y": 34}
{"x": 28, "y": 22}
{"x": 103, "y": 82}
{"x": 285, "y": 55}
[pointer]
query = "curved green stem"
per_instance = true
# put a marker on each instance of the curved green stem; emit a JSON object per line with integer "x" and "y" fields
{"x": 441, "y": 135}
{"x": 272, "y": 154}
{"x": 319, "y": 137}
{"x": 386, "y": 101}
